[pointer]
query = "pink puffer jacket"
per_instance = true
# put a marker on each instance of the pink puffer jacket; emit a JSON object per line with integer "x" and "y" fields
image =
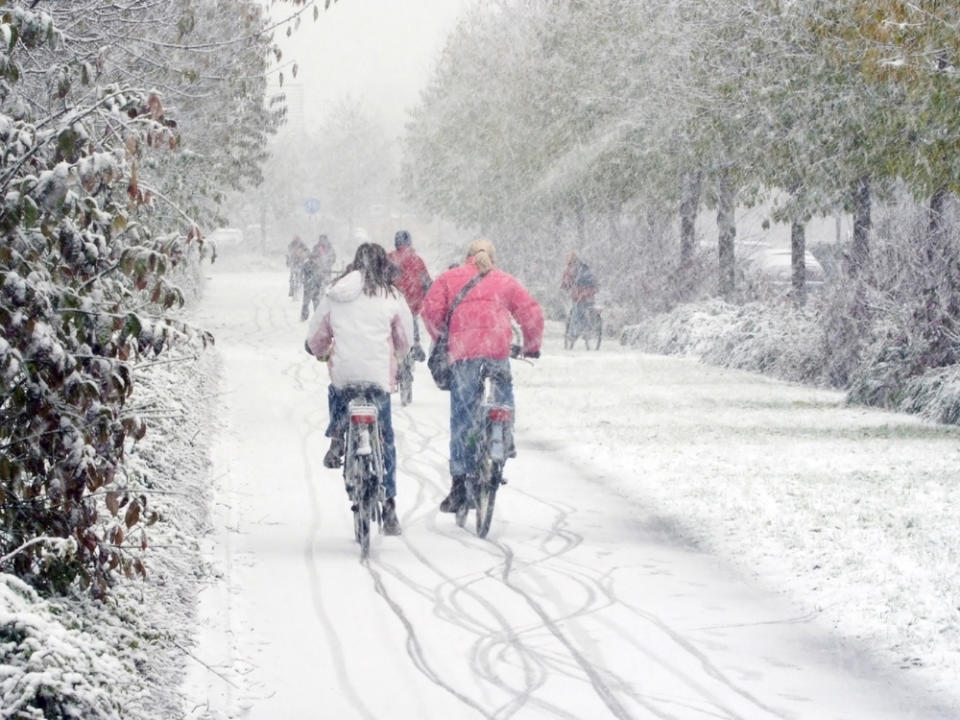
{"x": 480, "y": 326}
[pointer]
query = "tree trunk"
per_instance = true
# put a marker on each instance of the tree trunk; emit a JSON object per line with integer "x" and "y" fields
{"x": 263, "y": 229}
{"x": 579, "y": 213}
{"x": 689, "y": 205}
{"x": 862, "y": 211}
{"x": 798, "y": 265}
{"x": 936, "y": 251}
{"x": 726, "y": 225}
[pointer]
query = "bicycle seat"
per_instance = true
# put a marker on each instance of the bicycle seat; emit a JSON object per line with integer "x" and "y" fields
{"x": 363, "y": 391}
{"x": 494, "y": 372}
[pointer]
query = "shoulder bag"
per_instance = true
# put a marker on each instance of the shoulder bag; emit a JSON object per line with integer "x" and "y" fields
{"x": 439, "y": 362}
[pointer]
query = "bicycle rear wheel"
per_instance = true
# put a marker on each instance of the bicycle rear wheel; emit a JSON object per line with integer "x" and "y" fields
{"x": 405, "y": 379}
{"x": 594, "y": 331}
{"x": 569, "y": 338}
{"x": 486, "y": 496}
{"x": 361, "y": 525}
{"x": 469, "y": 501}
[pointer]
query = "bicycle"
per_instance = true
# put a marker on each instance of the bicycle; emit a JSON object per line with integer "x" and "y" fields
{"x": 583, "y": 321}
{"x": 363, "y": 466}
{"x": 405, "y": 379}
{"x": 494, "y": 447}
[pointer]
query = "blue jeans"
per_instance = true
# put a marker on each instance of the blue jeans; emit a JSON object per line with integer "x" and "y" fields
{"x": 337, "y": 401}
{"x": 466, "y": 396}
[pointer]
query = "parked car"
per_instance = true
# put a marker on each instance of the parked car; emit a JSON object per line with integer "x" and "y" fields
{"x": 774, "y": 263}
{"x": 226, "y": 237}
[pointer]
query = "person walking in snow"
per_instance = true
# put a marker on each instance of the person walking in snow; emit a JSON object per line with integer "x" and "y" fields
{"x": 361, "y": 327}
{"x": 412, "y": 280}
{"x": 479, "y": 337}
{"x": 296, "y": 256}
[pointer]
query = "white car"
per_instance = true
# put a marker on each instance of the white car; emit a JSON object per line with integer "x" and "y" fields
{"x": 774, "y": 263}
{"x": 226, "y": 237}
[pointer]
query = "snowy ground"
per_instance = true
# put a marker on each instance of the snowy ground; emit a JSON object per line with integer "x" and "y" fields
{"x": 675, "y": 541}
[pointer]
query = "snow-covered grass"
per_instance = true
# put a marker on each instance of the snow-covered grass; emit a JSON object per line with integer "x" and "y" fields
{"x": 792, "y": 344}
{"x": 865, "y": 534}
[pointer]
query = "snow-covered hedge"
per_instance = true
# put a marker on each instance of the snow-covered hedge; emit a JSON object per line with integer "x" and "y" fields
{"x": 75, "y": 657}
{"x": 779, "y": 341}
{"x": 50, "y": 667}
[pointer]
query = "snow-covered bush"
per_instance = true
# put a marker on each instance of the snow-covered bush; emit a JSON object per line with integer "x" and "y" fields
{"x": 934, "y": 394}
{"x": 50, "y": 668}
{"x": 98, "y": 197}
{"x": 80, "y": 277}
{"x": 778, "y": 340}
{"x": 910, "y": 302}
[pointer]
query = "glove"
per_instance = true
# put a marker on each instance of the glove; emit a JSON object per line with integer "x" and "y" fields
{"x": 306, "y": 346}
{"x": 532, "y": 354}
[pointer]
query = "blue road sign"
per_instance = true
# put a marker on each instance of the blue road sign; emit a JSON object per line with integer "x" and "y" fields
{"x": 311, "y": 205}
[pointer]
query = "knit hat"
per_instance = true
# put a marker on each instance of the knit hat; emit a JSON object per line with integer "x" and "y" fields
{"x": 401, "y": 238}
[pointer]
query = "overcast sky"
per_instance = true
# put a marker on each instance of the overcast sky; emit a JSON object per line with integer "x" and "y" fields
{"x": 380, "y": 51}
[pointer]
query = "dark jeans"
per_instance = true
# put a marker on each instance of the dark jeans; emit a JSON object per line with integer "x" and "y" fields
{"x": 311, "y": 298}
{"x": 466, "y": 396}
{"x": 337, "y": 401}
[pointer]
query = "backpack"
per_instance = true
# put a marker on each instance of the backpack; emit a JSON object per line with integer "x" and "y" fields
{"x": 585, "y": 276}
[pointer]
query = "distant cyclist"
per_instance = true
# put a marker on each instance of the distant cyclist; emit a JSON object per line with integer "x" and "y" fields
{"x": 361, "y": 327}
{"x": 480, "y": 335}
{"x": 579, "y": 281}
{"x": 412, "y": 280}
{"x": 296, "y": 256}
{"x": 316, "y": 273}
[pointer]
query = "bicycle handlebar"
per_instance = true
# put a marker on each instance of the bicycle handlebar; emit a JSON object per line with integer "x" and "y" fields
{"x": 516, "y": 352}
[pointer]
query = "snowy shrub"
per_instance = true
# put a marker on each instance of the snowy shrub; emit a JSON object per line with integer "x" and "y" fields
{"x": 912, "y": 302}
{"x": 934, "y": 394}
{"x": 777, "y": 340}
{"x": 82, "y": 297}
{"x": 50, "y": 669}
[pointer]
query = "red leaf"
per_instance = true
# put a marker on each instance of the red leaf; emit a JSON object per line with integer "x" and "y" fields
{"x": 133, "y": 514}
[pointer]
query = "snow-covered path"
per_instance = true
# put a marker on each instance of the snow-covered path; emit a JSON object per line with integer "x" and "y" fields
{"x": 583, "y": 602}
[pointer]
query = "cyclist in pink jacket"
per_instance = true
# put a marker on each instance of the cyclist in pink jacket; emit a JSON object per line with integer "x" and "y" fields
{"x": 480, "y": 336}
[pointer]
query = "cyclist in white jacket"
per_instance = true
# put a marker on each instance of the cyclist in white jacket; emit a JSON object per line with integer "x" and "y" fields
{"x": 361, "y": 327}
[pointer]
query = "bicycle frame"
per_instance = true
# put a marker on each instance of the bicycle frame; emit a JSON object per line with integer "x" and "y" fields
{"x": 405, "y": 379}
{"x": 584, "y": 320}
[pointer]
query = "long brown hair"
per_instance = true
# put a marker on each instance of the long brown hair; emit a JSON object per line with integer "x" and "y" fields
{"x": 375, "y": 269}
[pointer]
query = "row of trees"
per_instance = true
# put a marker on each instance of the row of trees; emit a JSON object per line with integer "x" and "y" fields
{"x": 621, "y": 119}
{"x": 121, "y": 127}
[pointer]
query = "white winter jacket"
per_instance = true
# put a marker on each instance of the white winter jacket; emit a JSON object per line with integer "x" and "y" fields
{"x": 362, "y": 335}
